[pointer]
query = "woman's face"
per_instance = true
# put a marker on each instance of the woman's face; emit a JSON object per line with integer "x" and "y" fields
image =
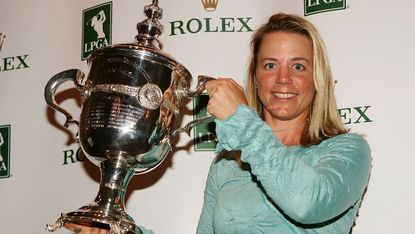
{"x": 284, "y": 74}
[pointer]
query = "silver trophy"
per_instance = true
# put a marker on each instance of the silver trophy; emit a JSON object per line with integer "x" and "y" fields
{"x": 131, "y": 112}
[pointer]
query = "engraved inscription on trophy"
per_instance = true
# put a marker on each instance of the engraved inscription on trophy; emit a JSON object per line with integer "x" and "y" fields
{"x": 112, "y": 65}
{"x": 114, "y": 115}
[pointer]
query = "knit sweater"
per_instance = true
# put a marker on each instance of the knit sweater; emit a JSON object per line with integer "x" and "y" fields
{"x": 279, "y": 189}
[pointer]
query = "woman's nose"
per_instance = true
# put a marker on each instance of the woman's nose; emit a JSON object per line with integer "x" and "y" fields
{"x": 283, "y": 75}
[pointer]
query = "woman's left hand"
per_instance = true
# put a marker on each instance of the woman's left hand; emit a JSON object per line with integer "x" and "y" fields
{"x": 225, "y": 97}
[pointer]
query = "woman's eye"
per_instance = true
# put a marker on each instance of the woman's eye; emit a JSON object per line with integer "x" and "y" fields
{"x": 299, "y": 67}
{"x": 270, "y": 66}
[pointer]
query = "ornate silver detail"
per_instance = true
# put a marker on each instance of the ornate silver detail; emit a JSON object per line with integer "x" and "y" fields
{"x": 115, "y": 227}
{"x": 171, "y": 106}
{"x": 115, "y": 88}
{"x": 58, "y": 224}
{"x": 150, "y": 96}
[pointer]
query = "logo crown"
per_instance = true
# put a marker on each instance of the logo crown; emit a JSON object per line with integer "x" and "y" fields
{"x": 210, "y": 5}
{"x": 2, "y": 36}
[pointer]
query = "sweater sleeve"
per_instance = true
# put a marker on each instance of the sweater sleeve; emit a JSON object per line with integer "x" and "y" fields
{"x": 145, "y": 230}
{"x": 205, "y": 225}
{"x": 308, "y": 193}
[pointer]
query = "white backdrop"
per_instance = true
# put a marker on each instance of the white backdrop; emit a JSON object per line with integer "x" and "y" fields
{"x": 370, "y": 44}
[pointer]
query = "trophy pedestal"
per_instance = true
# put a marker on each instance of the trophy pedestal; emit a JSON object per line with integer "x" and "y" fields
{"x": 107, "y": 211}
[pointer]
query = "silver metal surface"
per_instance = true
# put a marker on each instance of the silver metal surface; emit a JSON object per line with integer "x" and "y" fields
{"x": 150, "y": 96}
{"x": 130, "y": 113}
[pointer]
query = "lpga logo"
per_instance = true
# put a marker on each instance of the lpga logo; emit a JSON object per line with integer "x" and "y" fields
{"x": 97, "y": 23}
{"x": 96, "y": 28}
{"x": 1, "y": 143}
{"x": 4, "y": 151}
{"x": 319, "y": 6}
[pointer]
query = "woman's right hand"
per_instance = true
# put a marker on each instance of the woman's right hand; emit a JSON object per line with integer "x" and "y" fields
{"x": 225, "y": 95}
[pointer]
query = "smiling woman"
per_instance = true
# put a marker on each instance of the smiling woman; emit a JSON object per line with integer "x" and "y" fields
{"x": 284, "y": 79}
{"x": 286, "y": 163}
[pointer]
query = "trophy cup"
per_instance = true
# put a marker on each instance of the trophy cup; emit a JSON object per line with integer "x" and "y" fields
{"x": 131, "y": 112}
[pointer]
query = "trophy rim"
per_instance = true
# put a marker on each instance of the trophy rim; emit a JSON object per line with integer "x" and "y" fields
{"x": 143, "y": 52}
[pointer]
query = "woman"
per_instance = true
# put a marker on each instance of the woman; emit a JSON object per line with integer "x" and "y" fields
{"x": 287, "y": 165}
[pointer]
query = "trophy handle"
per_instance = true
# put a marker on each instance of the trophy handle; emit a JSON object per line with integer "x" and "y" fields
{"x": 50, "y": 89}
{"x": 200, "y": 87}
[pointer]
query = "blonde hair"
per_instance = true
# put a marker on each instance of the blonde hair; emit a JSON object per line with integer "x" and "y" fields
{"x": 324, "y": 121}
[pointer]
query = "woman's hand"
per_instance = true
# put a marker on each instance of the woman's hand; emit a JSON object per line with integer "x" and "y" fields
{"x": 225, "y": 97}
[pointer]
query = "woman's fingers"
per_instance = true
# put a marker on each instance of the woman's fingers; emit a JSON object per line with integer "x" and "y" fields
{"x": 225, "y": 97}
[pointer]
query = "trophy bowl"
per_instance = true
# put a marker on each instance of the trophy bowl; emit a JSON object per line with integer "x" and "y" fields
{"x": 131, "y": 111}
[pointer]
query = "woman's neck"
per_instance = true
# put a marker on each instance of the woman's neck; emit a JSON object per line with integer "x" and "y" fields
{"x": 289, "y": 137}
{"x": 289, "y": 132}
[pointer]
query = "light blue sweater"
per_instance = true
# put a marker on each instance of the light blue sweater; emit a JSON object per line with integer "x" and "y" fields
{"x": 282, "y": 190}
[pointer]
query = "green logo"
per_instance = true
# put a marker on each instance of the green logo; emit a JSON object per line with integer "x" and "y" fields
{"x": 355, "y": 115}
{"x": 71, "y": 156}
{"x": 211, "y": 25}
{"x": 13, "y": 62}
{"x": 5, "y": 151}
{"x": 96, "y": 28}
{"x": 318, "y": 6}
{"x": 204, "y": 134}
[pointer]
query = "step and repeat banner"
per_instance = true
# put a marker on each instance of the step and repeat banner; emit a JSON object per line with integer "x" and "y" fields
{"x": 43, "y": 172}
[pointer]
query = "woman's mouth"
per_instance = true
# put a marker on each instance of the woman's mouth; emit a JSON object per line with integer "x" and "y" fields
{"x": 284, "y": 95}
